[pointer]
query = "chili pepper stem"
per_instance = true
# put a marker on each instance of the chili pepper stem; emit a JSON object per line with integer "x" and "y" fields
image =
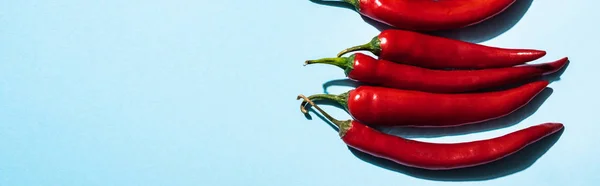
{"x": 353, "y": 3}
{"x": 374, "y": 46}
{"x": 345, "y": 63}
{"x": 343, "y": 126}
{"x": 341, "y": 99}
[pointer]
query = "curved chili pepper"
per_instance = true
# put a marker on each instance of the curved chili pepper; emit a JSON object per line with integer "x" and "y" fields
{"x": 435, "y": 156}
{"x": 437, "y": 52}
{"x": 366, "y": 69}
{"x": 428, "y": 15}
{"x": 388, "y": 106}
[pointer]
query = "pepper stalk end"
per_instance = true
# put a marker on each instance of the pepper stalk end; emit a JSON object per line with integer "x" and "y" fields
{"x": 341, "y": 99}
{"x": 345, "y": 63}
{"x": 374, "y": 46}
{"x": 354, "y": 3}
{"x": 343, "y": 126}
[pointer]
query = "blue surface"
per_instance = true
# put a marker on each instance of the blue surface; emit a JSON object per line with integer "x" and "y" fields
{"x": 183, "y": 92}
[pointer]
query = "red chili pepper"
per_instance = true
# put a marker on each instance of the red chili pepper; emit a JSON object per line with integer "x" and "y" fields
{"x": 427, "y": 15}
{"x": 366, "y": 69}
{"x": 437, "y": 52}
{"x": 388, "y": 106}
{"x": 435, "y": 156}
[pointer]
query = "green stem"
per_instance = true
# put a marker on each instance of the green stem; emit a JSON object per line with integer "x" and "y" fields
{"x": 353, "y": 3}
{"x": 345, "y": 63}
{"x": 341, "y": 99}
{"x": 373, "y": 46}
{"x": 343, "y": 126}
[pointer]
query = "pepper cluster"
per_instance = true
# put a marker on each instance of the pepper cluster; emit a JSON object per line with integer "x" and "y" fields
{"x": 422, "y": 80}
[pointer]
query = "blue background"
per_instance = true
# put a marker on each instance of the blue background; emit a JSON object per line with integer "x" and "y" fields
{"x": 183, "y": 92}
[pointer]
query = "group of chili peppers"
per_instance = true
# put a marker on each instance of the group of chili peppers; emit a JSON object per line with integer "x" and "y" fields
{"x": 421, "y": 80}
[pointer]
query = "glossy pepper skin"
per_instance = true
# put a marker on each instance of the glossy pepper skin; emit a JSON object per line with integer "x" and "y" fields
{"x": 387, "y": 106}
{"x": 428, "y": 15}
{"x": 435, "y": 52}
{"x": 437, "y": 156}
{"x": 442, "y": 156}
{"x": 366, "y": 69}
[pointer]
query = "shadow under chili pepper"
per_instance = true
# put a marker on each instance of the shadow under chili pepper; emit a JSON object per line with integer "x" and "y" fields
{"x": 481, "y": 32}
{"x": 511, "y": 164}
{"x": 340, "y": 82}
{"x": 506, "y": 121}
